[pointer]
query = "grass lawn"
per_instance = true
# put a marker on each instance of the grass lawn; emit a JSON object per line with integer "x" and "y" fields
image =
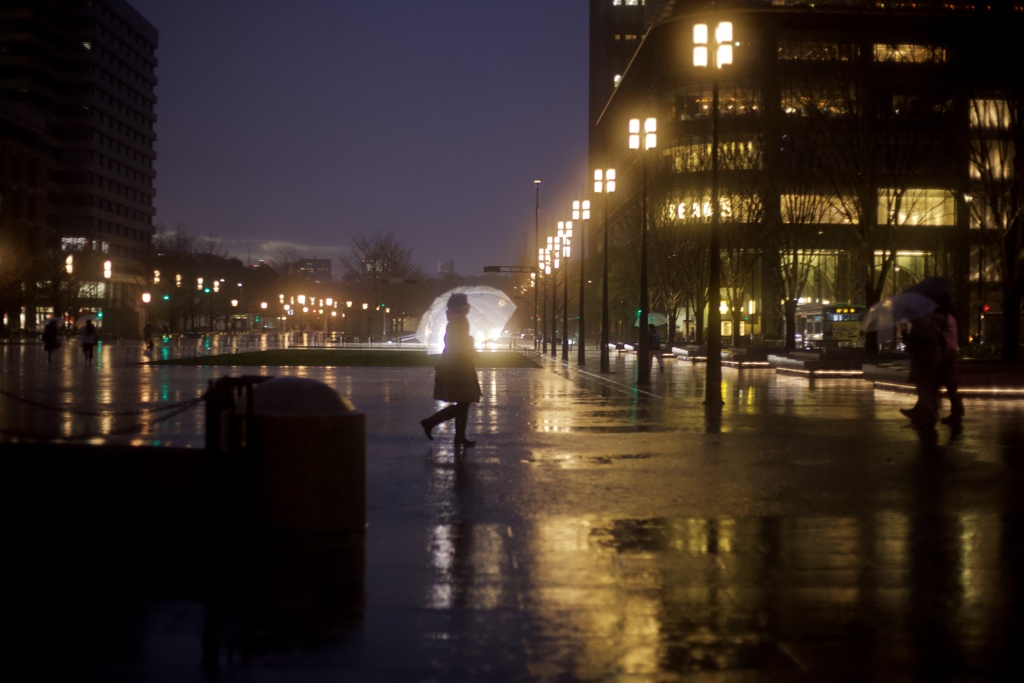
{"x": 353, "y": 358}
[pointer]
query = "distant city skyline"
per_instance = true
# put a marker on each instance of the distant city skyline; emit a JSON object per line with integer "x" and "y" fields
{"x": 296, "y": 126}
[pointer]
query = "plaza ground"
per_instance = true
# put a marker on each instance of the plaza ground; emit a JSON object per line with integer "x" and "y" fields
{"x": 597, "y": 532}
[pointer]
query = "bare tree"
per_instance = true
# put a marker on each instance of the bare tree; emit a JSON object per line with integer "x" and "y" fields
{"x": 678, "y": 248}
{"x": 997, "y": 136}
{"x": 379, "y": 267}
{"x": 872, "y": 149}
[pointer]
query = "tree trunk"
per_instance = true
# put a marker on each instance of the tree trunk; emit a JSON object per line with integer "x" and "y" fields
{"x": 790, "y": 313}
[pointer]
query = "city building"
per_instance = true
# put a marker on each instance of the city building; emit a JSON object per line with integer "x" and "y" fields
{"x": 315, "y": 269}
{"x": 854, "y": 148}
{"x": 76, "y": 161}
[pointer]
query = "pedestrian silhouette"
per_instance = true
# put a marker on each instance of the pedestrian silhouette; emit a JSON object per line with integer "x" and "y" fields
{"x": 89, "y": 339}
{"x": 655, "y": 347}
{"x": 948, "y": 357}
{"x": 51, "y": 339}
{"x": 455, "y": 379}
{"x": 147, "y": 332}
{"x": 925, "y": 340}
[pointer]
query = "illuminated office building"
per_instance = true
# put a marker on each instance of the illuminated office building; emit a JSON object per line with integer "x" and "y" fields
{"x": 76, "y": 158}
{"x": 860, "y": 139}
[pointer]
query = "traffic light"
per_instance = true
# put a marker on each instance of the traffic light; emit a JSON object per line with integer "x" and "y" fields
{"x": 166, "y": 297}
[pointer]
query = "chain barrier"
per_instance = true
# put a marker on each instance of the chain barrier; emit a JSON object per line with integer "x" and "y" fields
{"x": 172, "y": 410}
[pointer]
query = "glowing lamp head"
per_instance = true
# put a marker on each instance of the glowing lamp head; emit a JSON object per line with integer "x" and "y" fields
{"x": 634, "y": 133}
{"x": 650, "y": 133}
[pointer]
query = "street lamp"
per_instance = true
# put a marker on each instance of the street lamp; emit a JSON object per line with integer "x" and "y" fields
{"x": 650, "y": 141}
{"x": 554, "y": 256}
{"x": 604, "y": 182}
{"x": 536, "y": 246}
{"x": 543, "y": 268}
{"x": 108, "y": 273}
{"x": 704, "y": 56}
{"x": 581, "y": 212}
{"x": 565, "y": 239}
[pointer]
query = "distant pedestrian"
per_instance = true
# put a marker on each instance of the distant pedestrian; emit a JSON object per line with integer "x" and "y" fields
{"x": 455, "y": 379}
{"x": 89, "y": 339}
{"x": 655, "y": 347}
{"x": 51, "y": 339}
{"x": 925, "y": 340}
{"x": 147, "y": 333}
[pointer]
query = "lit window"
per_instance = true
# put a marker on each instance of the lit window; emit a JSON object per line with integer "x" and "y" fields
{"x": 821, "y": 99}
{"x": 992, "y": 159}
{"x": 910, "y": 54}
{"x": 815, "y": 51}
{"x": 804, "y": 209}
{"x": 990, "y": 114}
{"x": 916, "y": 207}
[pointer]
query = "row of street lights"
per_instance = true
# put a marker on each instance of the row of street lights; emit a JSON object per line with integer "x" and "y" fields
{"x": 643, "y": 137}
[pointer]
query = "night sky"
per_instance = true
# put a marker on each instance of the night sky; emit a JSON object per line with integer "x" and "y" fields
{"x": 297, "y": 124}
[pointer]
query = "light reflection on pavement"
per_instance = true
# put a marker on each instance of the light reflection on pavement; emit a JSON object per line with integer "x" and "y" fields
{"x": 598, "y": 532}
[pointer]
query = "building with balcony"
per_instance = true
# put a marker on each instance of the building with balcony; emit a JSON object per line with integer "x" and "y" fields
{"x": 860, "y": 147}
{"x": 76, "y": 160}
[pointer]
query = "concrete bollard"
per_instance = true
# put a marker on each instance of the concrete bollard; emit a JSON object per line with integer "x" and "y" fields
{"x": 310, "y": 450}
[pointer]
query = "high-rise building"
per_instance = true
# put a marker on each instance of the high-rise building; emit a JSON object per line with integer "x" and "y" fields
{"x": 316, "y": 269}
{"x": 76, "y": 159}
{"x": 861, "y": 146}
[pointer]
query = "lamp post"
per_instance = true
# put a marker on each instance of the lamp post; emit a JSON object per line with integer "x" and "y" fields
{"x": 565, "y": 240}
{"x": 704, "y": 56}
{"x": 581, "y": 212}
{"x": 536, "y": 246}
{"x": 650, "y": 141}
{"x": 543, "y": 268}
{"x": 604, "y": 182}
{"x": 108, "y": 273}
{"x": 555, "y": 259}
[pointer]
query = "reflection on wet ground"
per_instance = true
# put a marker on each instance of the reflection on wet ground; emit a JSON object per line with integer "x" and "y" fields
{"x": 596, "y": 532}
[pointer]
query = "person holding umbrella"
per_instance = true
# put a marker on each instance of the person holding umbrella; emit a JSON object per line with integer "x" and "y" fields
{"x": 930, "y": 338}
{"x": 455, "y": 380}
{"x": 949, "y": 357}
{"x": 925, "y": 340}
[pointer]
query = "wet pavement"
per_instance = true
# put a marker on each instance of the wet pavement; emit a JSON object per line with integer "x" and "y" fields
{"x": 596, "y": 533}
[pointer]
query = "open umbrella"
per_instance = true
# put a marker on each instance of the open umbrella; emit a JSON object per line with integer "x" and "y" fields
{"x": 489, "y": 310}
{"x": 935, "y": 287}
{"x": 85, "y": 317}
{"x": 888, "y": 313}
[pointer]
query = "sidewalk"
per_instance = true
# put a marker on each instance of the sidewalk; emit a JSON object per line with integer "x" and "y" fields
{"x": 597, "y": 532}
